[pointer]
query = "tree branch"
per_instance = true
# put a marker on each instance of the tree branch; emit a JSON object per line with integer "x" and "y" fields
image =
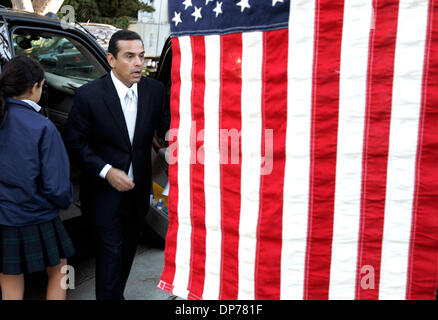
{"x": 25, "y": 5}
{"x": 44, "y": 6}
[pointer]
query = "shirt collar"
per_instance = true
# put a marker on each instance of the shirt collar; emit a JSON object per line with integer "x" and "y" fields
{"x": 121, "y": 88}
{"x": 34, "y": 105}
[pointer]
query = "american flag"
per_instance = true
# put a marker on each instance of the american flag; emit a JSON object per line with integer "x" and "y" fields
{"x": 333, "y": 189}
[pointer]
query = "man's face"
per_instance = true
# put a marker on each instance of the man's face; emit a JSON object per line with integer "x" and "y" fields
{"x": 129, "y": 62}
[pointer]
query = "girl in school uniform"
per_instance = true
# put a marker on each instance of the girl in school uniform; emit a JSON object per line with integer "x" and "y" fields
{"x": 34, "y": 185}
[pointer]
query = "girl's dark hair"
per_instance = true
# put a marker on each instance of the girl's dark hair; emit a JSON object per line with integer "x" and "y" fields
{"x": 18, "y": 75}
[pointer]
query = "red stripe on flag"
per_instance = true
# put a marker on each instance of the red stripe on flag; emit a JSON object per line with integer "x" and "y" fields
{"x": 172, "y": 232}
{"x": 325, "y": 109}
{"x": 423, "y": 258}
{"x": 376, "y": 144}
{"x": 274, "y": 110}
{"x": 230, "y": 121}
{"x": 197, "y": 194}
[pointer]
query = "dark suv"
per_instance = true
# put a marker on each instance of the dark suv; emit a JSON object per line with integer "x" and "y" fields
{"x": 71, "y": 57}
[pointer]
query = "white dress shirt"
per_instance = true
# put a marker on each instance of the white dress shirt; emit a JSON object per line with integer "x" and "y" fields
{"x": 33, "y": 104}
{"x": 128, "y": 100}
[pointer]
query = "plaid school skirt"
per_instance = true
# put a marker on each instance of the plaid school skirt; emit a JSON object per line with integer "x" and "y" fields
{"x": 33, "y": 248}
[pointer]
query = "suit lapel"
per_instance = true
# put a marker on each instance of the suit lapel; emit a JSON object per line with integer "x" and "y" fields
{"x": 142, "y": 105}
{"x": 112, "y": 102}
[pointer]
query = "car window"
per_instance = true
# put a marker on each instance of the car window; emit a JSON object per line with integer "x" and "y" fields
{"x": 59, "y": 55}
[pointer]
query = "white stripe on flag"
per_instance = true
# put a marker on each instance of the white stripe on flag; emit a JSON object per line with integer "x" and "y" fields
{"x": 252, "y": 60}
{"x": 212, "y": 169}
{"x": 352, "y": 104}
{"x": 183, "y": 249}
{"x": 406, "y": 105}
{"x": 297, "y": 167}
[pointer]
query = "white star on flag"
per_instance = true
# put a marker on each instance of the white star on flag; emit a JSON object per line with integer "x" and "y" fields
{"x": 218, "y": 9}
{"x": 208, "y": 1}
{"x": 187, "y": 3}
{"x": 274, "y": 2}
{"x": 243, "y": 4}
{"x": 197, "y": 13}
{"x": 177, "y": 18}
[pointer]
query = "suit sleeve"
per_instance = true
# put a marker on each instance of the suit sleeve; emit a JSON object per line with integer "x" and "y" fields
{"x": 163, "y": 123}
{"x": 55, "y": 171}
{"x": 77, "y": 136}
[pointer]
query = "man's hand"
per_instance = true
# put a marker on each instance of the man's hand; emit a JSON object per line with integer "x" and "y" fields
{"x": 157, "y": 143}
{"x": 119, "y": 180}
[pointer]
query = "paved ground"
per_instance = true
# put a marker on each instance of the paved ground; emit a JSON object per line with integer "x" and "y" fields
{"x": 142, "y": 283}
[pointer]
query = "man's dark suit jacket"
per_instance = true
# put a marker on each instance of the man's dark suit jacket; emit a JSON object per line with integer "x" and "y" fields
{"x": 96, "y": 134}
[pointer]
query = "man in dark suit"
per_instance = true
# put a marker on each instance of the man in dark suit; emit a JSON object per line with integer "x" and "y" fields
{"x": 109, "y": 133}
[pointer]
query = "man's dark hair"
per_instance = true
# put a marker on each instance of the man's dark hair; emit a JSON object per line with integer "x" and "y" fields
{"x": 113, "y": 47}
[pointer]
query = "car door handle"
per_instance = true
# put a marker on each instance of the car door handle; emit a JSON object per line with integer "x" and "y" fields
{"x": 71, "y": 86}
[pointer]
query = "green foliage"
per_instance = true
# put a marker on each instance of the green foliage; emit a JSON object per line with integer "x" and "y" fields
{"x": 6, "y": 3}
{"x": 119, "y": 13}
{"x": 84, "y": 9}
{"x": 108, "y": 8}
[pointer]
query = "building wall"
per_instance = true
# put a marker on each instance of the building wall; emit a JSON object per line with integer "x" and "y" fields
{"x": 154, "y": 28}
{"x": 160, "y": 15}
{"x": 154, "y": 36}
